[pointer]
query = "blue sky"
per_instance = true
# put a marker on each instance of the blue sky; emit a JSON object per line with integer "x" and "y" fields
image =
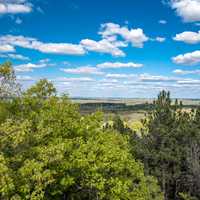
{"x": 112, "y": 48}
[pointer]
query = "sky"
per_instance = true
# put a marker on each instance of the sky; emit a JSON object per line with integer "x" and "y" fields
{"x": 118, "y": 49}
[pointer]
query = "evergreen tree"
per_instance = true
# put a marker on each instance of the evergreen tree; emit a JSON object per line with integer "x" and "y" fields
{"x": 170, "y": 148}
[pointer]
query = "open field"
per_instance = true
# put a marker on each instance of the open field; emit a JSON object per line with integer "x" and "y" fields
{"x": 112, "y": 100}
{"x": 129, "y": 101}
{"x": 130, "y": 110}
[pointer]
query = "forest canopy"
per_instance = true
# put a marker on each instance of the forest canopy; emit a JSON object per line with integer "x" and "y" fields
{"x": 49, "y": 150}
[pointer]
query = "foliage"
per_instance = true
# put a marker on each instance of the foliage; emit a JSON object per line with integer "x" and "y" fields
{"x": 137, "y": 126}
{"x": 42, "y": 89}
{"x": 171, "y": 150}
{"x": 186, "y": 196}
{"x": 48, "y": 150}
{"x": 8, "y": 86}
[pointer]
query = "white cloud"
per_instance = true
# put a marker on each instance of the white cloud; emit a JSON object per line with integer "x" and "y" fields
{"x": 135, "y": 36}
{"x": 108, "y": 87}
{"x": 108, "y": 44}
{"x": 32, "y": 43}
{"x": 108, "y": 65}
{"x": 186, "y": 72}
{"x": 46, "y": 60}
{"x": 188, "y": 10}
{"x": 83, "y": 70}
{"x": 14, "y": 56}
{"x": 188, "y": 37}
{"x": 59, "y": 48}
{"x": 24, "y": 78}
{"x": 30, "y": 67}
{"x": 160, "y": 39}
{"x": 21, "y": 41}
{"x": 104, "y": 46}
{"x": 189, "y": 82}
{"x": 6, "y": 48}
{"x": 18, "y": 57}
{"x": 152, "y": 78}
{"x": 15, "y": 6}
{"x": 108, "y": 80}
{"x": 80, "y": 79}
{"x": 180, "y": 72}
{"x": 162, "y": 21}
{"x": 188, "y": 58}
{"x": 120, "y": 76}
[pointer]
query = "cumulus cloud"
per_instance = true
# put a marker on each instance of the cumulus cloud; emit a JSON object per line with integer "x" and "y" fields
{"x": 109, "y": 43}
{"x": 83, "y": 70}
{"x": 135, "y": 36}
{"x": 21, "y": 41}
{"x": 15, "y": 6}
{"x": 188, "y": 58}
{"x": 188, "y": 10}
{"x": 59, "y": 48}
{"x": 32, "y": 43}
{"x": 104, "y": 46}
{"x": 6, "y": 48}
{"x": 29, "y": 67}
{"x": 113, "y": 65}
{"x": 188, "y": 37}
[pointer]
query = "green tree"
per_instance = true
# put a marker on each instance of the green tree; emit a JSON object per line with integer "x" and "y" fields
{"x": 159, "y": 148}
{"x": 119, "y": 126}
{"x": 10, "y": 90}
{"x": 42, "y": 89}
{"x": 9, "y": 87}
{"x": 170, "y": 148}
{"x": 50, "y": 151}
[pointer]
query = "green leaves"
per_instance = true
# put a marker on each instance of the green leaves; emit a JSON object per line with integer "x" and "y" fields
{"x": 170, "y": 150}
{"x": 55, "y": 151}
{"x": 9, "y": 87}
{"x": 6, "y": 183}
{"x": 42, "y": 89}
{"x": 49, "y": 151}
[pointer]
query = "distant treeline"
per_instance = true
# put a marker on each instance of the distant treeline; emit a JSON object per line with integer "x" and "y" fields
{"x": 113, "y": 107}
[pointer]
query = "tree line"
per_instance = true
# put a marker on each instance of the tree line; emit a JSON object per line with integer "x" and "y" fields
{"x": 48, "y": 150}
